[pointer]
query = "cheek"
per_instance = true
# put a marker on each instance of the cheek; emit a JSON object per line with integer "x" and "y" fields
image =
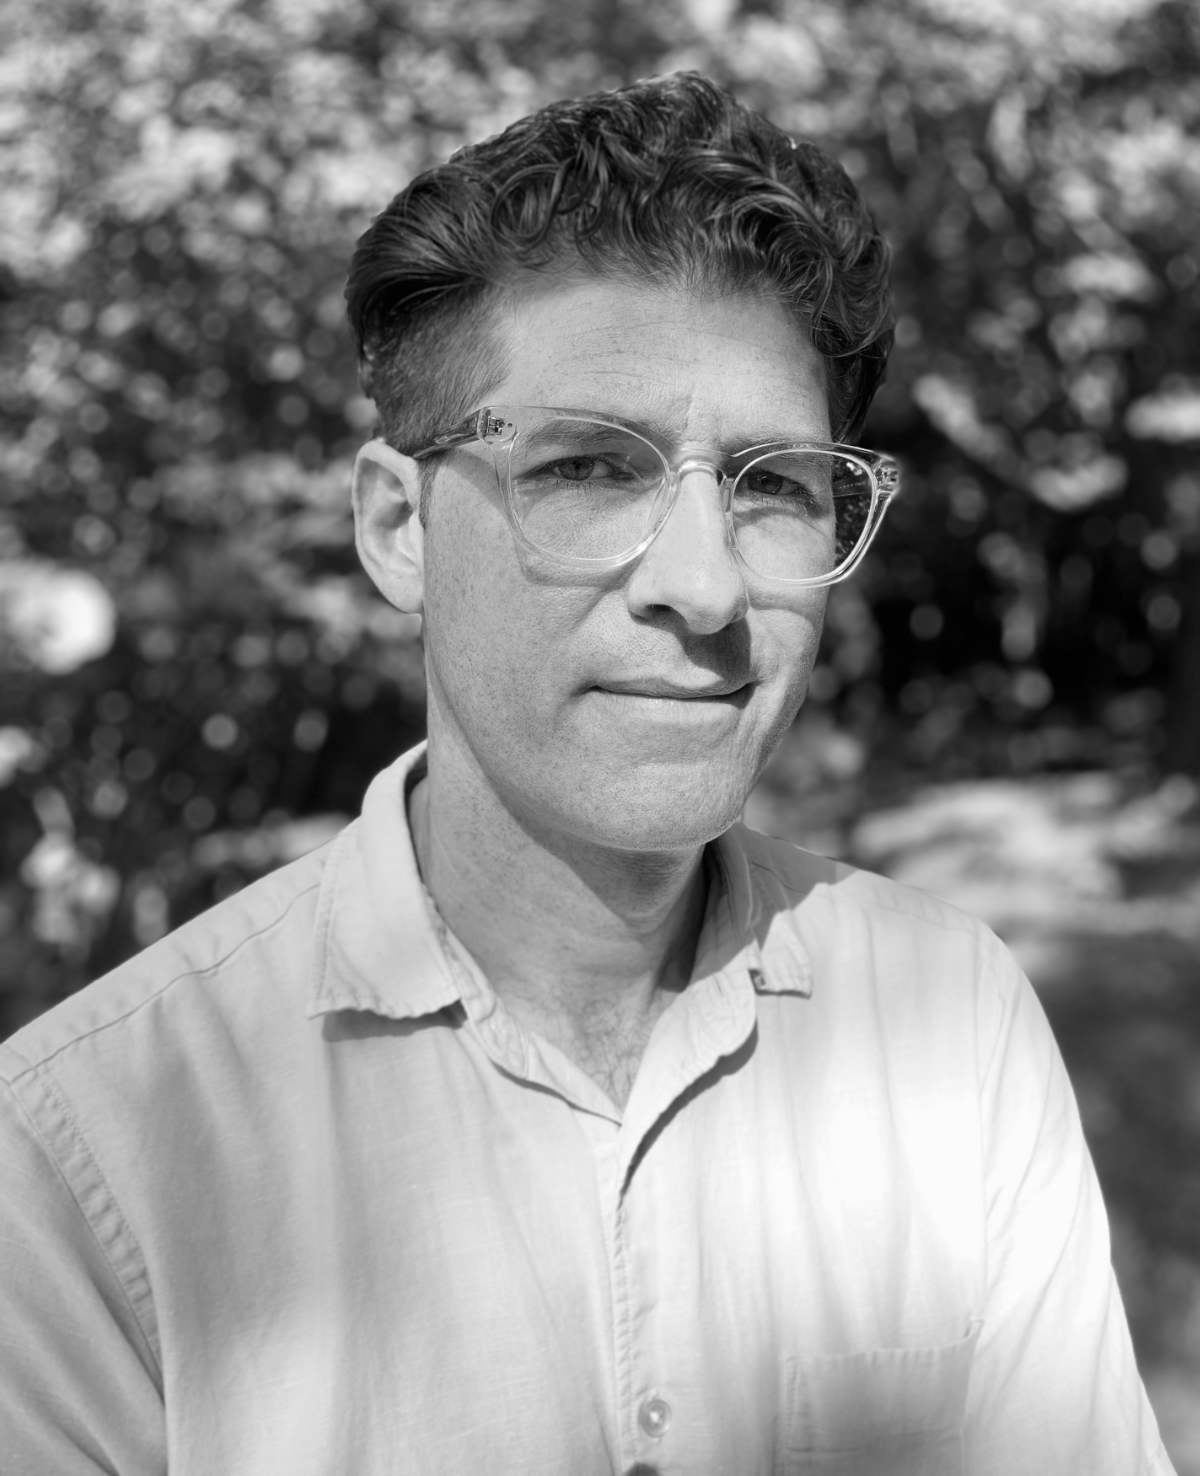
{"x": 491, "y": 636}
{"x": 792, "y": 637}
{"x": 466, "y": 543}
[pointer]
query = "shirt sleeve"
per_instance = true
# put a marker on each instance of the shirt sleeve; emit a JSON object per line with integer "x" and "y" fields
{"x": 1054, "y": 1389}
{"x": 79, "y": 1386}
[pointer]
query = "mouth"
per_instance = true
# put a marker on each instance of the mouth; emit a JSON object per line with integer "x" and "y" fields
{"x": 732, "y": 693}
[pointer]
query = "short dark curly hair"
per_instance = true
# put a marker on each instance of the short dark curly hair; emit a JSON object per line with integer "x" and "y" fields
{"x": 670, "y": 181}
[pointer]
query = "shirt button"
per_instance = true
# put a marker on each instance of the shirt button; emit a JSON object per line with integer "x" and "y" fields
{"x": 654, "y": 1416}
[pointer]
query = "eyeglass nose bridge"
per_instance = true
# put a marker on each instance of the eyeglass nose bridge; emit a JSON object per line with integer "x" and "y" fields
{"x": 700, "y": 463}
{"x": 669, "y": 496}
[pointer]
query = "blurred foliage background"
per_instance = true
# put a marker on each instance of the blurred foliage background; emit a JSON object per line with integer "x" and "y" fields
{"x": 196, "y": 682}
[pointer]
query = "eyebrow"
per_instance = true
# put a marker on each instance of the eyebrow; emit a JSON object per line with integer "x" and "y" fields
{"x": 729, "y": 445}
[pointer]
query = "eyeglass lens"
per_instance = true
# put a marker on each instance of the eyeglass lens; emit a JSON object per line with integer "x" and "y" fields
{"x": 585, "y": 490}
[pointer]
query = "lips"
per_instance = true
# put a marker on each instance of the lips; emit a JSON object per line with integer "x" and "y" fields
{"x": 679, "y": 691}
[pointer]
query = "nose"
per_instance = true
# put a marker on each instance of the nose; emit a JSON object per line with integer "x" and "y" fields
{"x": 690, "y": 567}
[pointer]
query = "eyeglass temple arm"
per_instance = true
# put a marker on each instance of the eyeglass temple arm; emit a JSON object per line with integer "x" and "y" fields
{"x": 478, "y": 426}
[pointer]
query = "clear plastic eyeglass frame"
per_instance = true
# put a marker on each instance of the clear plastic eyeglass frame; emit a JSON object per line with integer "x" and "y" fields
{"x": 496, "y": 428}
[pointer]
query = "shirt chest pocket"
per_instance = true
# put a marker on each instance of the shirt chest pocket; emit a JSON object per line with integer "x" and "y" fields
{"x": 884, "y": 1412}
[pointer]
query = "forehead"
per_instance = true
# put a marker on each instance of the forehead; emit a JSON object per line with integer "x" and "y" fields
{"x": 698, "y": 366}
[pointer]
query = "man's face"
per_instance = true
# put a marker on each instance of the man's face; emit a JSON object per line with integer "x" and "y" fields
{"x": 633, "y": 709}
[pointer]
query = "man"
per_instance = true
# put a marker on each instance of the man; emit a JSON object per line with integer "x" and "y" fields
{"x": 547, "y": 1120}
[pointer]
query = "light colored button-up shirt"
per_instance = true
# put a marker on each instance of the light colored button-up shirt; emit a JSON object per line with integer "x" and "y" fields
{"x": 293, "y": 1193}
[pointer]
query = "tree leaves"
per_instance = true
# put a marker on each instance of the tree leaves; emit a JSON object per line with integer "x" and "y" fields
{"x": 183, "y": 184}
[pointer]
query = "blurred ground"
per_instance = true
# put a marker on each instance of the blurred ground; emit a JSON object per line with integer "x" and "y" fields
{"x": 1093, "y": 879}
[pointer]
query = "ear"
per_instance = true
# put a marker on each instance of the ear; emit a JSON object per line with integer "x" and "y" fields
{"x": 386, "y": 494}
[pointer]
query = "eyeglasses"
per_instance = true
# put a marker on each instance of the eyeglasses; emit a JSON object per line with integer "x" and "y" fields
{"x": 592, "y": 492}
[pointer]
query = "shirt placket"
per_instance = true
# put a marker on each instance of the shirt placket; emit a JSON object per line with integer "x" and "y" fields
{"x": 651, "y": 1406}
{"x": 710, "y": 1020}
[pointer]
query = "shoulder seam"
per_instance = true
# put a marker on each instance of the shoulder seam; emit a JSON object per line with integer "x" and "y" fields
{"x": 34, "y": 1065}
{"x": 886, "y": 893}
{"x": 934, "y": 910}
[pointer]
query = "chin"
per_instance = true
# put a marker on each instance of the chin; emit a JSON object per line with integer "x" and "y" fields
{"x": 645, "y": 809}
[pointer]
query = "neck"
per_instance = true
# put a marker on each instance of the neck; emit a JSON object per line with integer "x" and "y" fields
{"x": 578, "y": 935}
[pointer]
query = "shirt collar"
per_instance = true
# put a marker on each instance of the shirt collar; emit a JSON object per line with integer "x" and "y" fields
{"x": 380, "y": 945}
{"x": 742, "y": 928}
{"x": 377, "y": 946}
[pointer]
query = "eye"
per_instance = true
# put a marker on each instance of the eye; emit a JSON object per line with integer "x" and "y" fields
{"x": 774, "y": 486}
{"x": 760, "y": 482}
{"x": 800, "y": 481}
{"x": 581, "y": 469}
